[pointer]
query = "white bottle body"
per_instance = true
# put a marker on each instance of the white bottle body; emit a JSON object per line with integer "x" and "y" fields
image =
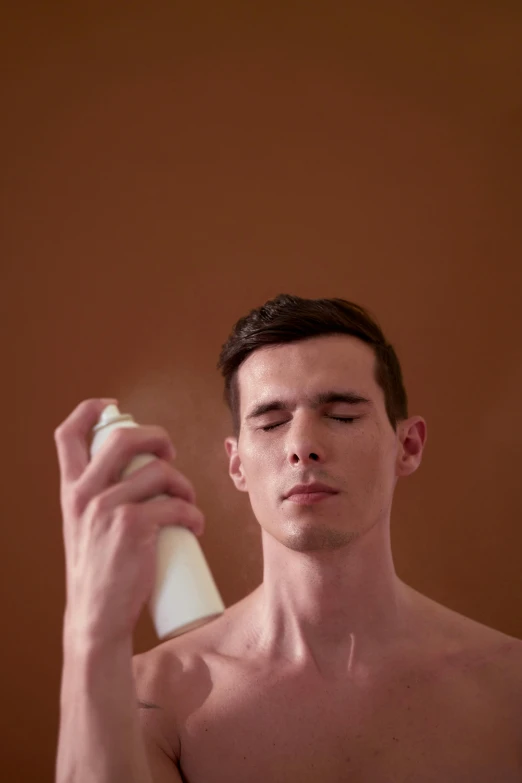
{"x": 184, "y": 594}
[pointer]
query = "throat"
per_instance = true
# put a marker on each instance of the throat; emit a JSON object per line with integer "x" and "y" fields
{"x": 333, "y": 644}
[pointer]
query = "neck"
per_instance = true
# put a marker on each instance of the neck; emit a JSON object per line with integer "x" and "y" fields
{"x": 336, "y": 611}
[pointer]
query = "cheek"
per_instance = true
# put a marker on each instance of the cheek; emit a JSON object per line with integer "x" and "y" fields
{"x": 258, "y": 459}
{"x": 374, "y": 473}
{"x": 265, "y": 476}
{"x": 251, "y": 451}
{"x": 362, "y": 452}
{"x": 366, "y": 463}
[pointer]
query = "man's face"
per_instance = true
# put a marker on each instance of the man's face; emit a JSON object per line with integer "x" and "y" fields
{"x": 358, "y": 458}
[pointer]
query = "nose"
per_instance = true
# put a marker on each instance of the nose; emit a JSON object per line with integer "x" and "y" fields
{"x": 303, "y": 445}
{"x": 312, "y": 457}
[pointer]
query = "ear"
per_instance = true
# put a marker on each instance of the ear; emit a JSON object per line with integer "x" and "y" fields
{"x": 235, "y": 469}
{"x": 412, "y": 436}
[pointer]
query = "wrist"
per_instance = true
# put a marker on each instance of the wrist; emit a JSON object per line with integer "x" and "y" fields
{"x": 80, "y": 644}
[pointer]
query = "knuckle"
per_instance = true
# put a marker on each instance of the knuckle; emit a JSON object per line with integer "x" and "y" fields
{"x": 164, "y": 470}
{"x": 124, "y": 439}
{"x": 76, "y": 498}
{"x": 61, "y": 433}
{"x": 99, "y": 505}
{"x": 125, "y": 515}
{"x": 118, "y": 436}
{"x": 82, "y": 409}
{"x": 179, "y": 486}
{"x": 164, "y": 436}
{"x": 163, "y": 475}
{"x": 192, "y": 489}
{"x": 85, "y": 406}
{"x": 195, "y": 518}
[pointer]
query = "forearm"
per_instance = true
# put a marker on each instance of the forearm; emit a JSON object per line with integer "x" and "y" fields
{"x": 100, "y": 738}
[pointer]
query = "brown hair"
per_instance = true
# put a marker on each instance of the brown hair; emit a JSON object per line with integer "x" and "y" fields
{"x": 288, "y": 319}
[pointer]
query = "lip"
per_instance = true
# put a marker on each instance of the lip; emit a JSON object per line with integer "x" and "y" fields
{"x": 305, "y": 498}
{"x": 310, "y": 490}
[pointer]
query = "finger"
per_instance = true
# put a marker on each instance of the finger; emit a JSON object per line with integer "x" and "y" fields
{"x": 71, "y": 437}
{"x": 121, "y": 446}
{"x": 156, "y": 478}
{"x": 164, "y": 511}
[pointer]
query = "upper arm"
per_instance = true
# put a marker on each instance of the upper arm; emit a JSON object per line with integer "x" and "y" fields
{"x": 154, "y": 720}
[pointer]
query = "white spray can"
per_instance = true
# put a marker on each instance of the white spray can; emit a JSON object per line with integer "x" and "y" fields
{"x": 185, "y": 595}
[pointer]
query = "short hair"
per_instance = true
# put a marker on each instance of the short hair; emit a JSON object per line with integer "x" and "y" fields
{"x": 290, "y": 319}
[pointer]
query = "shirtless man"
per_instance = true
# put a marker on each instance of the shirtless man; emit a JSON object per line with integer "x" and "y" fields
{"x": 333, "y": 670}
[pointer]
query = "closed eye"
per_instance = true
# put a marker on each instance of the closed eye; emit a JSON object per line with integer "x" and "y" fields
{"x": 337, "y": 418}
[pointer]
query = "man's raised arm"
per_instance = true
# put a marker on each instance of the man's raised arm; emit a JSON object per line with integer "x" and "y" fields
{"x": 110, "y": 535}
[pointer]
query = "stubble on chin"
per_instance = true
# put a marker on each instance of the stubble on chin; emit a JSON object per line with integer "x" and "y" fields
{"x": 313, "y": 538}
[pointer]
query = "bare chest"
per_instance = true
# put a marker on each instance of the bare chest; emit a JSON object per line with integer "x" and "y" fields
{"x": 422, "y": 728}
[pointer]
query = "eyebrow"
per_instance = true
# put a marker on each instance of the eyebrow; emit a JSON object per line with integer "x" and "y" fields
{"x": 323, "y": 398}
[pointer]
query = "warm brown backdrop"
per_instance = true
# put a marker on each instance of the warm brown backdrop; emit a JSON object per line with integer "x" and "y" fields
{"x": 169, "y": 166}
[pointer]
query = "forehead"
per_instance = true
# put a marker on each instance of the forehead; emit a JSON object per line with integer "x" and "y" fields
{"x": 297, "y": 370}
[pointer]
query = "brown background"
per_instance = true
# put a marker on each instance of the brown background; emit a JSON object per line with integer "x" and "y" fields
{"x": 167, "y": 167}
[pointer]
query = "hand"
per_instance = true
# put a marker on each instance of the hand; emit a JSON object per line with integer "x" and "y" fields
{"x": 110, "y": 532}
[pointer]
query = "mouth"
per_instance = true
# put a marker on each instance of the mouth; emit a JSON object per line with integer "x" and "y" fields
{"x": 310, "y": 486}
{"x": 305, "y": 498}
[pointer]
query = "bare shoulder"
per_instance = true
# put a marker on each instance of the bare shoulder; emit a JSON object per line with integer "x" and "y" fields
{"x": 505, "y": 666}
{"x": 489, "y": 656}
{"x": 499, "y": 656}
{"x": 165, "y": 672}
{"x": 172, "y": 680}
{"x": 496, "y": 665}
{"x": 158, "y": 675}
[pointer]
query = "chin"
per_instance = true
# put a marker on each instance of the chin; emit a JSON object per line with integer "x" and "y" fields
{"x": 314, "y": 539}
